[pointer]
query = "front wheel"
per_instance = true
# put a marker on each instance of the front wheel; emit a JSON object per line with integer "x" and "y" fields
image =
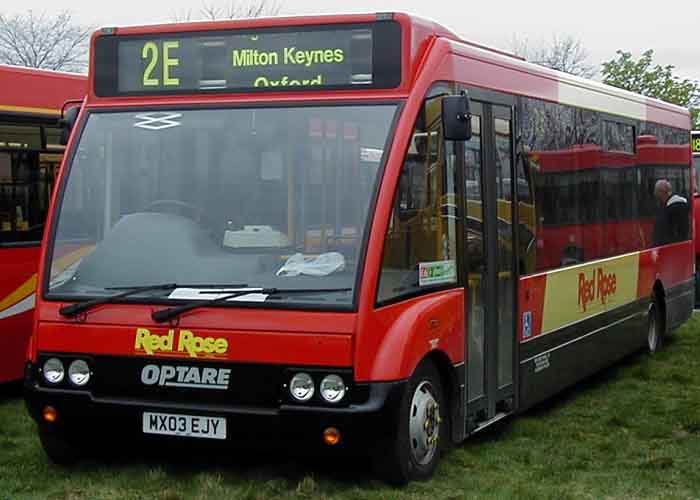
{"x": 414, "y": 450}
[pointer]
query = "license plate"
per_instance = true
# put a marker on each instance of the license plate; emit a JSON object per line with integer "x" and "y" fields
{"x": 184, "y": 425}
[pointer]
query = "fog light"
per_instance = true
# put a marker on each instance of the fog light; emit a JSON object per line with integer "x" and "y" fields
{"x": 50, "y": 414}
{"x": 302, "y": 387}
{"x": 332, "y": 388}
{"x": 331, "y": 436}
{"x": 54, "y": 371}
{"x": 79, "y": 373}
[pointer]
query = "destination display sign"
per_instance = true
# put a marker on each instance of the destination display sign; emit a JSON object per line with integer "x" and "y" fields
{"x": 695, "y": 141}
{"x": 326, "y": 57}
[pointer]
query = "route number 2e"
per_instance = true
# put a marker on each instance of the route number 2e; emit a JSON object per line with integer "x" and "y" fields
{"x": 152, "y": 53}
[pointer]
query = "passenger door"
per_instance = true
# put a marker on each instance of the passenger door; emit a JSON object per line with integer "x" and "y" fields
{"x": 489, "y": 265}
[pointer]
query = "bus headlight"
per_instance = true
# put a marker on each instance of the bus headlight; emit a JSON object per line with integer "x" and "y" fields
{"x": 54, "y": 371}
{"x": 332, "y": 388}
{"x": 302, "y": 387}
{"x": 79, "y": 373}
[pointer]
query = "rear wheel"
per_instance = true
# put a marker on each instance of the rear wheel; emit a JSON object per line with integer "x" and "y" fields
{"x": 61, "y": 449}
{"x": 414, "y": 450}
{"x": 654, "y": 331}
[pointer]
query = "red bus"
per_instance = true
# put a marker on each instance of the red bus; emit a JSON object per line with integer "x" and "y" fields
{"x": 323, "y": 231}
{"x": 695, "y": 141}
{"x": 30, "y": 152}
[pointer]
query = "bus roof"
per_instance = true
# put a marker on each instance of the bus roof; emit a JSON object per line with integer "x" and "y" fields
{"x": 38, "y": 92}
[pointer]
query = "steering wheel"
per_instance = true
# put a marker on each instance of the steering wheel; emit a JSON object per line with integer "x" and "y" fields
{"x": 195, "y": 213}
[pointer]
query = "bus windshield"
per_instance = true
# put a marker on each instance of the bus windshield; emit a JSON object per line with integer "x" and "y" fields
{"x": 266, "y": 197}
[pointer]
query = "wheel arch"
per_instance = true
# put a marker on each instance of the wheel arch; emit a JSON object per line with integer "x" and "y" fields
{"x": 659, "y": 297}
{"x": 417, "y": 329}
{"x": 452, "y": 388}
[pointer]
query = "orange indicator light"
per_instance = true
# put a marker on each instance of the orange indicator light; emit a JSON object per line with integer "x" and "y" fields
{"x": 331, "y": 436}
{"x": 50, "y": 414}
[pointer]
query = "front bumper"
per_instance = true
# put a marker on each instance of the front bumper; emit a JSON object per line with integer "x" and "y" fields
{"x": 86, "y": 416}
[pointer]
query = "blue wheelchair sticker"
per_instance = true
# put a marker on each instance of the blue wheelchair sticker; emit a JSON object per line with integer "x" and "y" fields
{"x": 527, "y": 325}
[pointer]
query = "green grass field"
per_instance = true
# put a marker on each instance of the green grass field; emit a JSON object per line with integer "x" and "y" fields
{"x": 632, "y": 431}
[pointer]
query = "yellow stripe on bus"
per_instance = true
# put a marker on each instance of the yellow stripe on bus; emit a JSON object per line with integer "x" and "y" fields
{"x": 577, "y": 293}
{"x": 62, "y": 263}
{"x": 25, "y": 290}
{"x": 29, "y": 287}
{"x": 22, "y": 109}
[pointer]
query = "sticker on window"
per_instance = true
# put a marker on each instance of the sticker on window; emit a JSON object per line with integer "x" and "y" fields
{"x": 437, "y": 273}
{"x": 157, "y": 121}
{"x": 371, "y": 155}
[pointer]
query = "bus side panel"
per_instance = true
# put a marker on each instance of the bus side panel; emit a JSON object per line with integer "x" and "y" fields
{"x": 14, "y": 332}
{"x": 408, "y": 331}
{"x": 696, "y": 227}
{"x": 672, "y": 266}
{"x": 580, "y": 323}
{"x": 558, "y": 360}
{"x": 17, "y": 288}
{"x": 680, "y": 301}
{"x": 696, "y": 238}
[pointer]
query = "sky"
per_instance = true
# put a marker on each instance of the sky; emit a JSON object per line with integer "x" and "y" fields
{"x": 603, "y": 26}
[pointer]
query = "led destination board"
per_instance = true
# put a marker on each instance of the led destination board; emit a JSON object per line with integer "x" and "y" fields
{"x": 696, "y": 142}
{"x": 327, "y": 57}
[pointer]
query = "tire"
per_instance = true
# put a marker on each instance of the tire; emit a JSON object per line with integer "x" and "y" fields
{"x": 60, "y": 449}
{"x": 413, "y": 451}
{"x": 654, "y": 329}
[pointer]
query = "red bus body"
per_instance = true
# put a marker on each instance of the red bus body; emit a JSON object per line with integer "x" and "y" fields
{"x": 30, "y": 98}
{"x": 381, "y": 344}
{"x": 695, "y": 141}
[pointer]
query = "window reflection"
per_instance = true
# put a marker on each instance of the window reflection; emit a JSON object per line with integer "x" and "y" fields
{"x": 593, "y": 182}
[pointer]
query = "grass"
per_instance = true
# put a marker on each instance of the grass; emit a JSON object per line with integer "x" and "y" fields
{"x": 632, "y": 431}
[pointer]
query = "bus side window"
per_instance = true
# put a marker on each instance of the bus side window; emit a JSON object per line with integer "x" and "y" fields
{"x": 421, "y": 239}
{"x": 413, "y": 186}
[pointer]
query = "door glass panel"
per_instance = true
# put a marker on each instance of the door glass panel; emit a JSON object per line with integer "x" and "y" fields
{"x": 504, "y": 198}
{"x": 475, "y": 260}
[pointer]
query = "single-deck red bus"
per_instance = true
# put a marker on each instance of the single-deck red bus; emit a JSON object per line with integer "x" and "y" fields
{"x": 308, "y": 230}
{"x": 30, "y": 152}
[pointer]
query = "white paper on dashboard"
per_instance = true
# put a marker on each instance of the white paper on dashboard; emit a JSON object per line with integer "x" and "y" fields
{"x": 212, "y": 294}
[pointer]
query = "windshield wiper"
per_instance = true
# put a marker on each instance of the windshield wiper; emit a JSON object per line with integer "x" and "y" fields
{"x": 172, "y": 312}
{"x": 79, "y": 307}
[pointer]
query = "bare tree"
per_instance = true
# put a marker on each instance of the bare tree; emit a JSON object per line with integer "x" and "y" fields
{"x": 53, "y": 42}
{"x": 564, "y": 53}
{"x": 212, "y": 11}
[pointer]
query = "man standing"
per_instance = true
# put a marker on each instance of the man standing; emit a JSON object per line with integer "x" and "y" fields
{"x": 672, "y": 223}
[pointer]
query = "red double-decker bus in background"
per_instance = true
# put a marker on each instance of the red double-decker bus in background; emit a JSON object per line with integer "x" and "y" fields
{"x": 30, "y": 153}
{"x": 339, "y": 232}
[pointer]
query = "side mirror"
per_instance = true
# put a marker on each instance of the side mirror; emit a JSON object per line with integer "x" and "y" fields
{"x": 67, "y": 122}
{"x": 456, "y": 118}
